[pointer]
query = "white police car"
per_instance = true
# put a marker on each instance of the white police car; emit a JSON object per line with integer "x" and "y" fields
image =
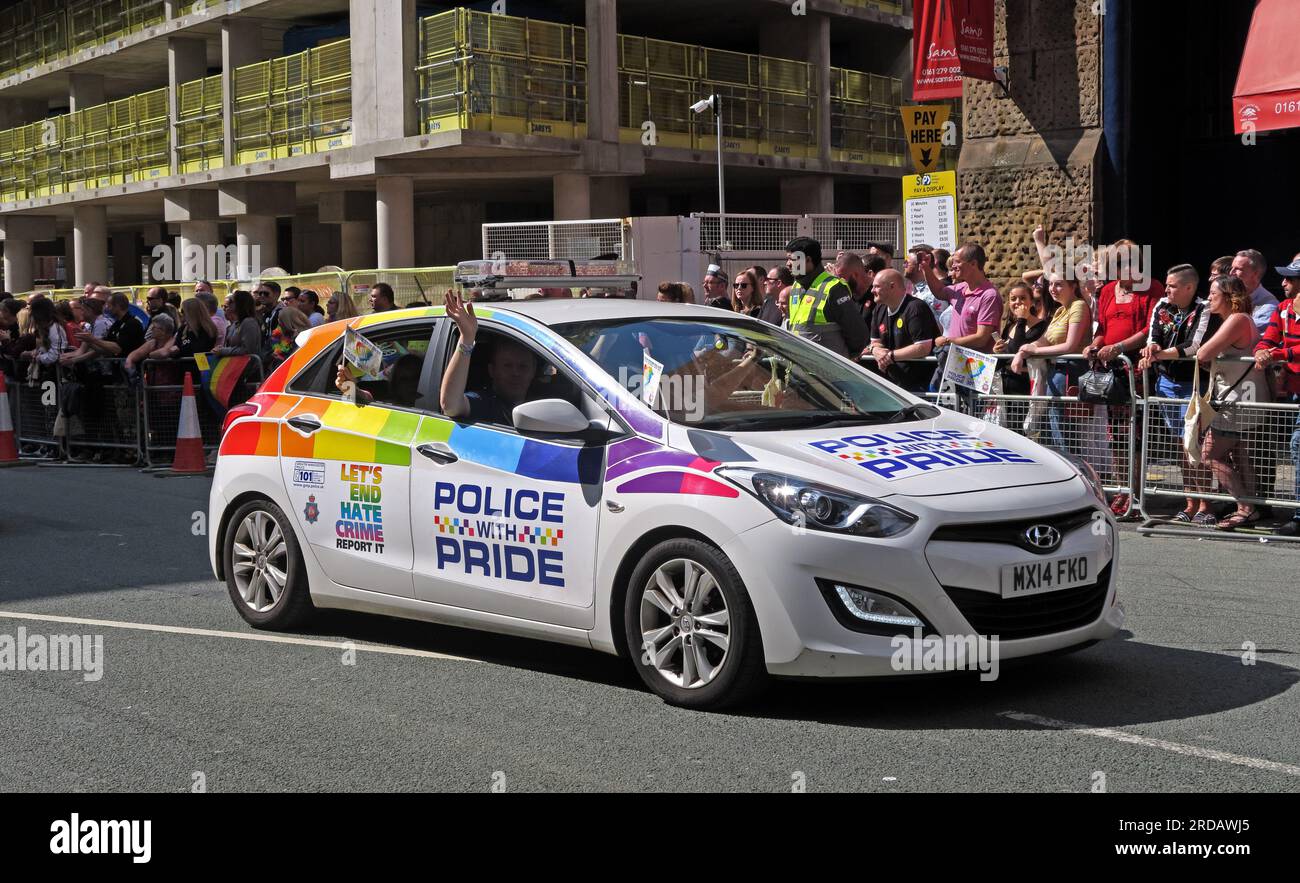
{"x": 705, "y": 494}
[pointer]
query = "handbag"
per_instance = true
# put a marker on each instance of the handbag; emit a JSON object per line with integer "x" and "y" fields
{"x": 1200, "y": 414}
{"x": 1102, "y": 385}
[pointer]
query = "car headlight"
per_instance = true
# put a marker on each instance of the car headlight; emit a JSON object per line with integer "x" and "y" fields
{"x": 809, "y": 504}
{"x": 1090, "y": 476}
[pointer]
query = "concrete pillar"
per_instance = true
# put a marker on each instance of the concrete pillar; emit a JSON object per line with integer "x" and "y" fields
{"x": 196, "y": 238}
{"x": 818, "y": 37}
{"x": 357, "y": 245}
{"x": 19, "y": 265}
{"x": 808, "y": 195}
{"x": 187, "y": 59}
{"x": 805, "y": 38}
{"x": 20, "y": 233}
{"x": 196, "y": 213}
{"x": 85, "y": 90}
{"x": 90, "y": 244}
{"x": 241, "y": 44}
{"x": 571, "y": 196}
{"x": 15, "y": 112}
{"x": 256, "y": 245}
{"x": 126, "y": 258}
{"x": 383, "y": 46}
{"x": 395, "y": 222}
{"x": 353, "y": 211}
{"x": 255, "y": 208}
{"x": 602, "y": 70}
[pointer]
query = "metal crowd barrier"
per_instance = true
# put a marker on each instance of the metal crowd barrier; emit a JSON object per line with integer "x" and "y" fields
{"x": 101, "y": 408}
{"x": 161, "y": 392}
{"x": 80, "y": 414}
{"x": 37, "y": 403}
{"x": 1264, "y": 458}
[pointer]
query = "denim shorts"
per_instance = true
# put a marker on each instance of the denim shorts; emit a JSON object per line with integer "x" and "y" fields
{"x": 1173, "y": 415}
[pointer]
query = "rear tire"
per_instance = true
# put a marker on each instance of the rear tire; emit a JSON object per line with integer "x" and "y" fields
{"x": 690, "y": 627}
{"x": 265, "y": 574}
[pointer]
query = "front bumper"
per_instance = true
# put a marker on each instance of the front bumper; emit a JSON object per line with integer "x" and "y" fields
{"x": 802, "y": 636}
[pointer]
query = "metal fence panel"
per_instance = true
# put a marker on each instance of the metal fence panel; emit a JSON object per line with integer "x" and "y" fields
{"x": 410, "y": 287}
{"x": 551, "y": 240}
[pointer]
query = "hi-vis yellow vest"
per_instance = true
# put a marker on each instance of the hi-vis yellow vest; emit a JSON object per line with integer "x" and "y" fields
{"x": 808, "y": 313}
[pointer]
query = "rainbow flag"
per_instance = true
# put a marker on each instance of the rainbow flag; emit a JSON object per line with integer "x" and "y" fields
{"x": 219, "y": 376}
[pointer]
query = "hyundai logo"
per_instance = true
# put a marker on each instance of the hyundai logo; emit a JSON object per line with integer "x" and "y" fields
{"x": 1042, "y": 537}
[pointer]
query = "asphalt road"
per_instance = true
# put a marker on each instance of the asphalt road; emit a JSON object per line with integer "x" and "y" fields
{"x": 1170, "y": 707}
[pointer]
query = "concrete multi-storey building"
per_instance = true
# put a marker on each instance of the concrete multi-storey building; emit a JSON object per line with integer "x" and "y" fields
{"x": 382, "y": 133}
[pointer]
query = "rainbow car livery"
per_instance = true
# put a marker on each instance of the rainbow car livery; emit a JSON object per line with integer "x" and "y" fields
{"x": 705, "y": 494}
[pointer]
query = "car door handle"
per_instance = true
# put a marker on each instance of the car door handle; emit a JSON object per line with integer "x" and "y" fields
{"x": 305, "y": 424}
{"x": 437, "y": 455}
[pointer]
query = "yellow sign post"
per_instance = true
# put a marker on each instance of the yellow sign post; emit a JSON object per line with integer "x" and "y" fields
{"x": 923, "y": 127}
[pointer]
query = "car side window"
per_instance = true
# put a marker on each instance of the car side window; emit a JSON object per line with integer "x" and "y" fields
{"x": 506, "y": 370}
{"x": 396, "y": 384}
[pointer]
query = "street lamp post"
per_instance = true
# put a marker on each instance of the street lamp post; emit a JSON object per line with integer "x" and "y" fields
{"x": 715, "y": 101}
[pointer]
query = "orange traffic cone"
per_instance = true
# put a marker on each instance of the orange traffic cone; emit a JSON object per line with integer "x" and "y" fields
{"x": 189, "y": 441}
{"x": 8, "y": 447}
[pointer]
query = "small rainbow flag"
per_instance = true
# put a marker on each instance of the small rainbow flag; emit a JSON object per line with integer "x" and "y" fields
{"x": 219, "y": 378}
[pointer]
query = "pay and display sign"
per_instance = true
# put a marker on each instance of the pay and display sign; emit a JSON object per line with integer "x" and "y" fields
{"x": 930, "y": 210}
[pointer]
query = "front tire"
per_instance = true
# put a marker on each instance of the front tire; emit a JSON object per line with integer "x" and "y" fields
{"x": 690, "y": 627}
{"x": 265, "y": 574}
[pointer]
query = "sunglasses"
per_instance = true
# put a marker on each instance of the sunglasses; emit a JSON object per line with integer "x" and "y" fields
{"x": 740, "y": 285}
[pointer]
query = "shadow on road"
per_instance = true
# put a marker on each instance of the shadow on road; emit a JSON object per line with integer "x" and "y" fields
{"x": 1115, "y": 683}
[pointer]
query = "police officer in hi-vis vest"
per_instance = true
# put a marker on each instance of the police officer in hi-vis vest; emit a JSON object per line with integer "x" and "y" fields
{"x": 822, "y": 308}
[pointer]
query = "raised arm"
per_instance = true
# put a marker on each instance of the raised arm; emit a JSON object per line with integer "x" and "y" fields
{"x": 452, "y": 394}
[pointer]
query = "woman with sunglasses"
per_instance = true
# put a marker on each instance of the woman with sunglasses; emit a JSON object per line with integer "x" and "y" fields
{"x": 745, "y": 294}
{"x": 1026, "y": 322}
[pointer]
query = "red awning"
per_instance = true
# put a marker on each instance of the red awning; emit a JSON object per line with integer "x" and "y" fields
{"x": 1268, "y": 85}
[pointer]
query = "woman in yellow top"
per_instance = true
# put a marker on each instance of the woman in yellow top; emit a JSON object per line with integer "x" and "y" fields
{"x": 1068, "y": 333}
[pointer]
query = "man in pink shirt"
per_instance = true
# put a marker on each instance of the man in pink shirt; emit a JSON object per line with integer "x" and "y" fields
{"x": 977, "y": 308}
{"x": 975, "y": 299}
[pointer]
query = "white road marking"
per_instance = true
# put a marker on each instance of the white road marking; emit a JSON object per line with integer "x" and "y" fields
{"x": 1256, "y": 763}
{"x": 242, "y": 636}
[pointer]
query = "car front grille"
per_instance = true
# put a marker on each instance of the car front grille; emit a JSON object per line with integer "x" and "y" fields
{"x": 1013, "y": 532}
{"x": 1014, "y": 618}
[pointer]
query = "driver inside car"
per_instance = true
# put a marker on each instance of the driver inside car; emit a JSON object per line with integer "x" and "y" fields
{"x": 512, "y": 370}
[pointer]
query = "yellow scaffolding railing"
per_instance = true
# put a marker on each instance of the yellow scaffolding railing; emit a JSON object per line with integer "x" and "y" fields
{"x": 113, "y": 143}
{"x": 294, "y": 105}
{"x": 37, "y": 32}
{"x": 200, "y": 125}
{"x": 501, "y": 73}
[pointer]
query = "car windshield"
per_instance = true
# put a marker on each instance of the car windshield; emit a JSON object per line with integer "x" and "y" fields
{"x": 735, "y": 375}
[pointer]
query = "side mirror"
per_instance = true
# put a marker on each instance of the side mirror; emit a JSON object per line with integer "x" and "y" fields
{"x": 555, "y": 416}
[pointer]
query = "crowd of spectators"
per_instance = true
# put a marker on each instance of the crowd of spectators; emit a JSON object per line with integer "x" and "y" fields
{"x": 1055, "y": 324}
{"x": 898, "y": 316}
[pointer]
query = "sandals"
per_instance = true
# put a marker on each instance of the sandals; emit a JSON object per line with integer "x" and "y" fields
{"x": 1205, "y": 519}
{"x": 1183, "y": 518}
{"x": 1239, "y": 519}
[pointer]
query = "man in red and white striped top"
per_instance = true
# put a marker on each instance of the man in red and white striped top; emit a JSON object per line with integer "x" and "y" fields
{"x": 1280, "y": 343}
